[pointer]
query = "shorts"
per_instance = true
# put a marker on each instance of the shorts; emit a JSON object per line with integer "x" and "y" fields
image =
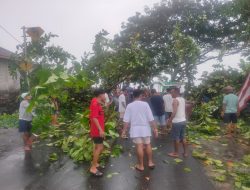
{"x": 25, "y": 126}
{"x": 230, "y": 118}
{"x": 160, "y": 120}
{"x": 178, "y": 131}
{"x": 141, "y": 140}
{"x": 168, "y": 115}
{"x": 98, "y": 140}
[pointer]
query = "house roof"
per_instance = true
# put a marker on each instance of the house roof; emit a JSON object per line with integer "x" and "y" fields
{"x": 5, "y": 54}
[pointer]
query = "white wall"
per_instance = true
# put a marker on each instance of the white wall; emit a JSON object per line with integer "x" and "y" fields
{"x": 7, "y": 83}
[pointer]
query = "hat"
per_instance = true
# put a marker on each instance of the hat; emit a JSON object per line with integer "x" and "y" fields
{"x": 229, "y": 89}
{"x": 23, "y": 95}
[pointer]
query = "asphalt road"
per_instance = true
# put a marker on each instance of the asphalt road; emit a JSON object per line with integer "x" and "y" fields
{"x": 31, "y": 171}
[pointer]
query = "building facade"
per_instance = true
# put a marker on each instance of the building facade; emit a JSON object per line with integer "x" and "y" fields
{"x": 9, "y": 85}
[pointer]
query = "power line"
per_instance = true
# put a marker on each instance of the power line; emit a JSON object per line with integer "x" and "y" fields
{"x": 10, "y": 34}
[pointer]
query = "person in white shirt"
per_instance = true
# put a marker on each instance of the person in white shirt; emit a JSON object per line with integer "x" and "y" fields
{"x": 25, "y": 120}
{"x": 168, "y": 102}
{"x": 178, "y": 122}
{"x": 122, "y": 103}
{"x": 139, "y": 117}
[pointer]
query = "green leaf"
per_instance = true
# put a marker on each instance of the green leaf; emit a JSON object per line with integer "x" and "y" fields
{"x": 221, "y": 171}
{"x": 106, "y": 144}
{"x": 178, "y": 160}
{"x": 237, "y": 184}
{"x": 187, "y": 170}
{"x": 199, "y": 155}
{"x": 50, "y": 144}
{"x": 220, "y": 178}
{"x": 112, "y": 174}
{"x": 166, "y": 161}
{"x": 53, "y": 78}
{"x": 53, "y": 157}
{"x": 246, "y": 159}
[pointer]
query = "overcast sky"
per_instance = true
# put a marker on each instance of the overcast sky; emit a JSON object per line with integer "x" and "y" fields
{"x": 75, "y": 21}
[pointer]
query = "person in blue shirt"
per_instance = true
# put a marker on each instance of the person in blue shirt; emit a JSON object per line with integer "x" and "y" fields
{"x": 230, "y": 111}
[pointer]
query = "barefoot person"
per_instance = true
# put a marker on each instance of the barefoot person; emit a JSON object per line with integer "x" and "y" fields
{"x": 97, "y": 129}
{"x": 25, "y": 119}
{"x": 178, "y": 122}
{"x": 122, "y": 108}
{"x": 158, "y": 109}
{"x": 168, "y": 103}
{"x": 230, "y": 110}
{"x": 122, "y": 103}
{"x": 139, "y": 117}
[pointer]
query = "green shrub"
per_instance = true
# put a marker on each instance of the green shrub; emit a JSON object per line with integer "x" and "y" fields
{"x": 9, "y": 120}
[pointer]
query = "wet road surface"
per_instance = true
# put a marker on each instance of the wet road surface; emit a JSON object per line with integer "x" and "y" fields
{"x": 33, "y": 172}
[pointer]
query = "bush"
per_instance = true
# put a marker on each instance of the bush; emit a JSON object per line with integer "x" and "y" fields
{"x": 9, "y": 120}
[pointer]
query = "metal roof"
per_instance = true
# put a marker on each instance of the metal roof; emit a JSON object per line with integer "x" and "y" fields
{"x": 5, "y": 54}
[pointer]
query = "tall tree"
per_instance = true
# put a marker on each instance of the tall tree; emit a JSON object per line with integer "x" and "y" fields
{"x": 210, "y": 23}
{"x": 111, "y": 65}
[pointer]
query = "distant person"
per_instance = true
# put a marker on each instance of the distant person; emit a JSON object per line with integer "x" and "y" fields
{"x": 108, "y": 100}
{"x": 55, "y": 112}
{"x": 129, "y": 94}
{"x": 230, "y": 110}
{"x": 116, "y": 99}
{"x": 139, "y": 117}
{"x": 25, "y": 121}
{"x": 168, "y": 103}
{"x": 178, "y": 122}
{"x": 205, "y": 99}
{"x": 146, "y": 96}
{"x": 97, "y": 129}
{"x": 158, "y": 109}
{"x": 122, "y": 103}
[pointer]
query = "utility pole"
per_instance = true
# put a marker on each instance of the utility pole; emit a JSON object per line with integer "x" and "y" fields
{"x": 24, "y": 42}
{"x": 35, "y": 33}
{"x": 25, "y": 56}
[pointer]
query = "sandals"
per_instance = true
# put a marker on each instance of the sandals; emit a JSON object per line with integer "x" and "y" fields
{"x": 27, "y": 148}
{"x": 100, "y": 167}
{"x": 97, "y": 174}
{"x": 172, "y": 154}
{"x": 138, "y": 169}
{"x": 151, "y": 167}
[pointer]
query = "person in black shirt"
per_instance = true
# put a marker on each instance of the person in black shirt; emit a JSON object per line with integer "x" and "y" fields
{"x": 157, "y": 106}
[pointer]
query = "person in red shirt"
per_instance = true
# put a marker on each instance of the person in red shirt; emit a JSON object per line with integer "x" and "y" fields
{"x": 97, "y": 129}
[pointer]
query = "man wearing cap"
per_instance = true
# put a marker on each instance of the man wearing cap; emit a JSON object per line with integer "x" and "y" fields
{"x": 25, "y": 119}
{"x": 230, "y": 110}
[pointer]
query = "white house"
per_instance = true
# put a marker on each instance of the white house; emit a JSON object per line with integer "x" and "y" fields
{"x": 9, "y": 86}
{"x": 162, "y": 86}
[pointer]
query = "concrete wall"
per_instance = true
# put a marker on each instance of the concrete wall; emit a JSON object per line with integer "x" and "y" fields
{"x": 9, "y": 88}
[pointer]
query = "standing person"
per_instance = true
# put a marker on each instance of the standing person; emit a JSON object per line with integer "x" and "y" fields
{"x": 25, "y": 120}
{"x": 97, "y": 129}
{"x": 139, "y": 117}
{"x": 178, "y": 122}
{"x": 122, "y": 103}
{"x": 168, "y": 103}
{"x": 157, "y": 106}
{"x": 55, "y": 112}
{"x": 230, "y": 110}
{"x": 116, "y": 99}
